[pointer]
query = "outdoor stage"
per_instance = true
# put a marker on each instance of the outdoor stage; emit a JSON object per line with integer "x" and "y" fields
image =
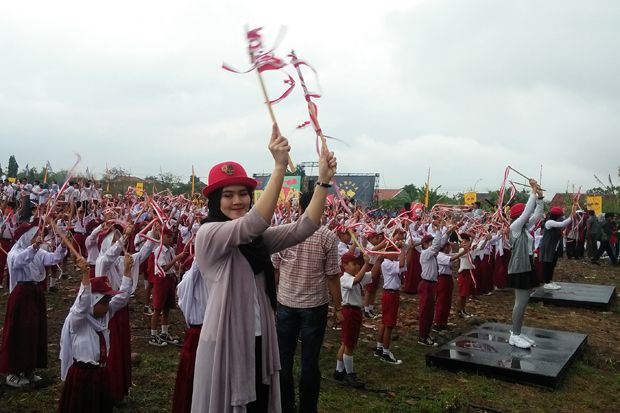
{"x": 485, "y": 350}
{"x": 577, "y": 295}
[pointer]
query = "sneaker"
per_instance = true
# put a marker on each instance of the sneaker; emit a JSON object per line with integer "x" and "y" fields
{"x": 16, "y": 381}
{"x": 518, "y": 341}
{"x": 529, "y": 340}
{"x": 551, "y": 286}
{"x": 148, "y": 310}
{"x": 168, "y": 338}
{"x": 157, "y": 341}
{"x": 33, "y": 378}
{"x": 378, "y": 352}
{"x": 370, "y": 314}
{"x": 352, "y": 380}
{"x": 465, "y": 314}
{"x": 427, "y": 342}
{"x": 389, "y": 358}
{"x": 439, "y": 329}
{"x": 339, "y": 375}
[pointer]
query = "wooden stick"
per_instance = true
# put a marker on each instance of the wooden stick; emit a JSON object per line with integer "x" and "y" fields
{"x": 519, "y": 183}
{"x": 355, "y": 240}
{"x": 517, "y": 172}
{"x": 291, "y": 165}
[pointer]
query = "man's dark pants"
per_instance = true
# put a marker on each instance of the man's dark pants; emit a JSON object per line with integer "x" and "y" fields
{"x": 309, "y": 324}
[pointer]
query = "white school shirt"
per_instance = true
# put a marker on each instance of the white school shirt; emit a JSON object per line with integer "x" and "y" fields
{"x": 92, "y": 249}
{"x": 164, "y": 258}
{"x": 28, "y": 264}
{"x": 428, "y": 258}
{"x": 352, "y": 293}
{"x": 444, "y": 263}
{"x": 9, "y": 224}
{"x": 111, "y": 263}
{"x": 193, "y": 295}
{"x": 391, "y": 271}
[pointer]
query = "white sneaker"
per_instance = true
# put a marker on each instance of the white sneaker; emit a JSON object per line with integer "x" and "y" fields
{"x": 14, "y": 380}
{"x": 34, "y": 378}
{"x": 529, "y": 340}
{"x": 518, "y": 341}
{"x": 551, "y": 286}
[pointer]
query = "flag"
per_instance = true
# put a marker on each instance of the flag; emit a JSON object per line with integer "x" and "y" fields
{"x": 48, "y": 169}
{"x": 193, "y": 179}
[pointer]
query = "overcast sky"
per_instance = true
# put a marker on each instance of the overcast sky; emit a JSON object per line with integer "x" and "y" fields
{"x": 462, "y": 87}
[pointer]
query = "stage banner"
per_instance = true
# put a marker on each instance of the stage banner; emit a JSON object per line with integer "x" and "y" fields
{"x": 359, "y": 188}
{"x": 139, "y": 188}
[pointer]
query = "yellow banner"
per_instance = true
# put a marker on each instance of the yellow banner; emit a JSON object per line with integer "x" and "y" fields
{"x": 469, "y": 198}
{"x": 595, "y": 203}
{"x": 12, "y": 179}
{"x": 139, "y": 188}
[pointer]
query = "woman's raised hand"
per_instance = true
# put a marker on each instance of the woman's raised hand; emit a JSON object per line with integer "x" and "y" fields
{"x": 279, "y": 147}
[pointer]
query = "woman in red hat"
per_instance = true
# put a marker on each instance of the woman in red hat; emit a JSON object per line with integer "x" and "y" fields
{"x": 237, "y": 360}
{"x": 551, "y": 239}
{"x": 521, "y": 276}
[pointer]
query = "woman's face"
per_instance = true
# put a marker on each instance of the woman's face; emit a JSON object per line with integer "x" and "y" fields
{"x": 235, "y": 201}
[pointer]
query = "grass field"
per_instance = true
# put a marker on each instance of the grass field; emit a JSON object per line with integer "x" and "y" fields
{"x": 591, "y": 385}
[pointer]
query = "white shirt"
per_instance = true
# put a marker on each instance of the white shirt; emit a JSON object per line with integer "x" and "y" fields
{"x": 193, "y": 295}
{"x": 391, "y": 271}
{"x": 444, "y": 263}
{"x": 352, "y": 293}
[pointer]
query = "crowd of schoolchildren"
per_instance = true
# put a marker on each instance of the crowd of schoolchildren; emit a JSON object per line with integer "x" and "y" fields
{"x": 125, "y": 245}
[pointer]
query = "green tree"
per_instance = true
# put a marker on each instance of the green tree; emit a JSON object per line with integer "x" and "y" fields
{"x": 13, "y": 167}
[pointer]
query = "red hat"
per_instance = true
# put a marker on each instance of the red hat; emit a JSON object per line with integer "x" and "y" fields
{"x": 226, "y": 174}
{"x": 556, "y": 210}
{"x": 427, "y": 238}
{"x": 101, "y": 285}
{"x": 349, "y": 256}
{"x": 92, "y": 224}
{"x": 516, "y": 210}
{"x": 22, "y": 229}
{"x": 101, "y": 236}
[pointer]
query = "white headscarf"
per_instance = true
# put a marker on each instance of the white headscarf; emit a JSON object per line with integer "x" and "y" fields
{"x": 98, "y": 324}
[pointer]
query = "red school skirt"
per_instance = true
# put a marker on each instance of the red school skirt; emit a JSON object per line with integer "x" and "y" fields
{"x": 119, "y": 355}
{"x": 183, "y": 389}
{"x": 24, "y": 338}
{"x": 86, "y": 389}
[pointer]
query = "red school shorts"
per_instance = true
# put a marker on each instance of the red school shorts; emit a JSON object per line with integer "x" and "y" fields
{"x": 351, "y": 325}
{"x": 390, "y": 301}
{"x": 164, "y": 293}
{"x": 467, "y": 286}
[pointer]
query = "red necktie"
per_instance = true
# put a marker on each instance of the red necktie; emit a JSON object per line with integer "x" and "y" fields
{"x": 103, "y": 350}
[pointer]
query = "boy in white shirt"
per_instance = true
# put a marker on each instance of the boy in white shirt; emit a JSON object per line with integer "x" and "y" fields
{"x": 392, "y": 268}
{"x": 351, "y": 290}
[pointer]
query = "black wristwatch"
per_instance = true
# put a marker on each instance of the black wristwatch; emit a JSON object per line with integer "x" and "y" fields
{"x": 323, "y": 185}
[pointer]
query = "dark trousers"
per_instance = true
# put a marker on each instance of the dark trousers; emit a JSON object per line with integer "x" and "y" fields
{"x": 261, "y": 404}
{"x": 605, "y": 247}
{"x": 591, "y": 246}
{"x": 548, "y": 268}
{"x": 571, "y": 248}
{"x": 309, "y": 323}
